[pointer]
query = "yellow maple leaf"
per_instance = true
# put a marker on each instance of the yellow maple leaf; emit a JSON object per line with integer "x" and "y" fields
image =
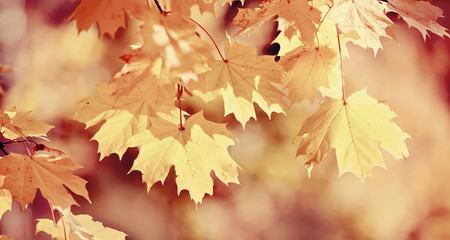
{"x": 244, "y": 78}
{"x": 307, "y": 69}
{"x": 17, "y": 124}
{"x": 78, "y": 227}
{"x": 366, "y": 17}
{"x": 419, "y": 14}
{"x": 354, "y": 128}
{"x": 108, "y": 14}
{"x": 195, "y": 151}
{"x": 24, "y": 175}
{"x": 302, "y": 15}
{"x": 125, "y": 104}
{"x": 174, "y": 38}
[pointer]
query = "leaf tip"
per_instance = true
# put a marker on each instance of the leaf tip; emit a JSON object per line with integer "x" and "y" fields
{"x": 309, "y": 166}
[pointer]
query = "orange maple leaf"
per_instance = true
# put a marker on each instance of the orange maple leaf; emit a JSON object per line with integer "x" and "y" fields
{"x": 108, "y": 14}
{"x": 17, "y": 124}
{"x": 24, "y": 175}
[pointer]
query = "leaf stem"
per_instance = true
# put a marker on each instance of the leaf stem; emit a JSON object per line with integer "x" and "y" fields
{"x": 2, "y": 148}
{"x": 53, "y": 215}
{"x": 320, "y": 24}
{"x": 19, "y": 141}
{"x": 159, "y": 7}
{"x": 2, "y": 144}
{"x": 179, "y": 94}
{"x": 223, "y": 59}
{"x": 344, "y": 99}
{"x": 64, "y": 225}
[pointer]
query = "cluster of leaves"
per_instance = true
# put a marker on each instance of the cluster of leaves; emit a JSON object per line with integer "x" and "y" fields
{"x": 141, "y": 106}
{"x": 46, "y": 169}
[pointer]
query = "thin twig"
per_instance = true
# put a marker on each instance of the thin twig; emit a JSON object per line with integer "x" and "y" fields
{"x": 159, "y": 7}
{"x": 2, "y": 144}
{"x": 64, "y": 225}
{"x": 2, "y": 148}
{"x": 218, "y": 50}
{"x": 19, "y": 141}
{"x": 320, "y": 24}
{"x": 53, "y": 215}
{"x": 342, "y": 68}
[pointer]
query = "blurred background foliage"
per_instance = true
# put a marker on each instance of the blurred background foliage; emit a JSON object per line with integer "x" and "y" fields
{"x": 54, "y": 67}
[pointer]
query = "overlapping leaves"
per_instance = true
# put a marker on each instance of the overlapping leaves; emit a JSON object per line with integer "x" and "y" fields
{"x": 136, "y": 108}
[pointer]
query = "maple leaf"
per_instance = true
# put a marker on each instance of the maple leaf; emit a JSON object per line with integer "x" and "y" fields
{"x": 125, "y": 104}
{"x": 24, "y": 175}
{"x": 307, "y": 69}
{"x": 17, "y": 124}
{"x": 108, "y": 14}
{"x": 174, "y": 38}
{"x": 195, "y": 151}
{"x": 78, "y": 227}
{"x": 419, "y": 14}
{"x": 183, "y": 8}
{"x": 366, "y": 17}
{"x": 244, "y": 78}
{"x": 354, "y": 128}
{"x": 299, "y": 12}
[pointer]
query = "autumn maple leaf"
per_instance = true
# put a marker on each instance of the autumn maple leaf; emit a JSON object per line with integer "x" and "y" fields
{"x": 243, "y": 78}
{"x": 108, "y": 14}
{"x": 24, "y": 175}
{"x": 307, "y": 69}
{"x": 302, "y": 15}
{"x": 419, "y": 14}
{"x": 139, "y": 91}
{"x": 366, "y": 17}
{"x": 195, "y": 150}
{"x": 17, "y": 124}
{"x": 174, "y": 38}
{"x": 354, "y": 128}
{"x": 183, "y": 8}
{"x": 77, "y": 227}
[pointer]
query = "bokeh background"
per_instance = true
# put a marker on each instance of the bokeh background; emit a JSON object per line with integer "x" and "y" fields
{"x": 54, "y": 67}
